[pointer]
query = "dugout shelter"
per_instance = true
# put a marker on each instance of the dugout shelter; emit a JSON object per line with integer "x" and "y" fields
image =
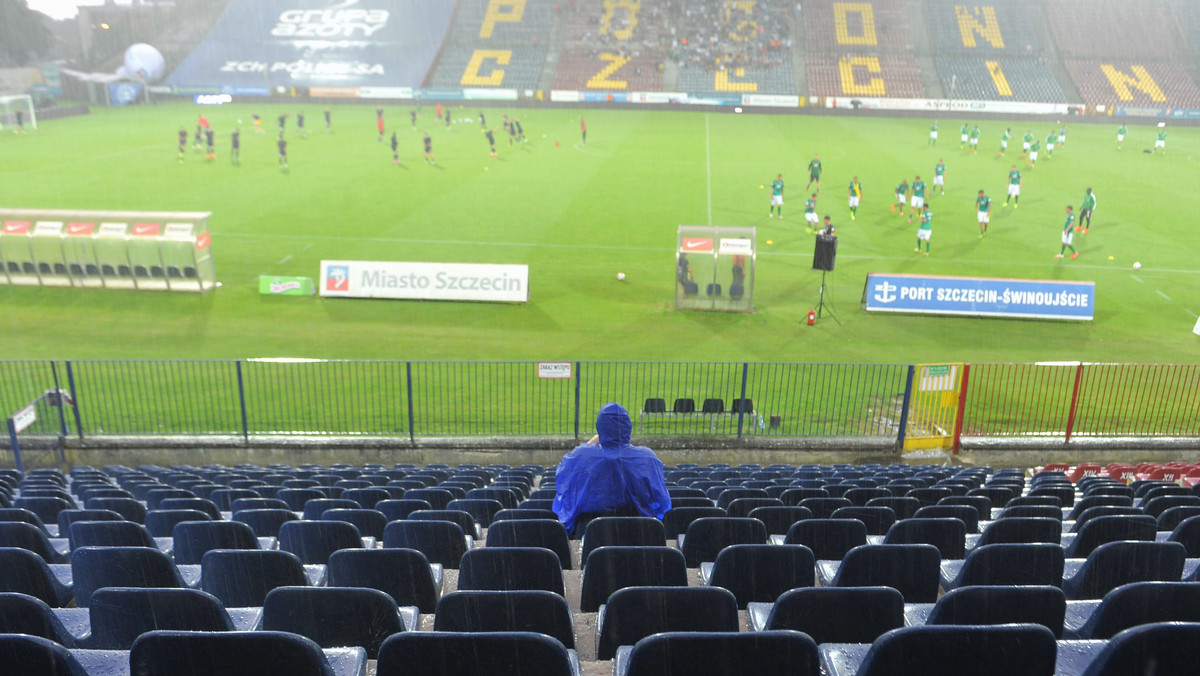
{"x": 714, "y": 268}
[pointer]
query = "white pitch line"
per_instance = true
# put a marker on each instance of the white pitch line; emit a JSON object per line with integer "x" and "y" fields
{"x": 708, "y": 168}
{"x": 1163, "y": 295}
{"x": 1137, "y": 279}
{"x": 284, "y": 259}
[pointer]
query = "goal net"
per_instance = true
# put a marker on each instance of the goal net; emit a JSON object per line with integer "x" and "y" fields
{"x": 16, "y": 113}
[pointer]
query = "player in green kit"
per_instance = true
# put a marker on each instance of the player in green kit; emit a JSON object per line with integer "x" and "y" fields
{"x": 1068, "y": 234}
{"x": 1062, "y": 135}
{"x": 901, "y": 196}
{"x": 1033, "y": 152}
{"x": 933, "y": 133}
{"x": 1014, "y": 187}
{"x": 1121, "y": 131}
{"x": 1004, "y": 142}
{"x": 939, "y": 176}
{"x": 1161, "y": 141}
{"x": 918, "y": 197}
{"x": 1050, "y": 139}
{"x": 1085, "y": 211}
{"x": 814, "y": 173}
{"x": 962, "y": 135}
{"x": 854, "y": 194}
{"x": 983, "y": 207}
{"x": 810, "y": 213}
{"x": 925, "y": 231}
{"x": 776, "y": 196}
{"x": 975, "y": 140}
{"x": 1026, "y": 142}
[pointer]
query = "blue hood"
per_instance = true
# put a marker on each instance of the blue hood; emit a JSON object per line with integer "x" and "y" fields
{"x": 614, "y": 426}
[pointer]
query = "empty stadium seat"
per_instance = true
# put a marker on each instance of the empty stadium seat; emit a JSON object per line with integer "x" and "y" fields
{"x": 24, "y": 614}
{"x": 1161, "y": 648}
{"x": 334, "y": 617}
{"x": 910, "y": 569}
{"x": 251, "y": 653}
{"x": 193, "y": 539}
{"x": 442, "y": 542}
{"x": 707, "y": 536}
{"x": 760, "y": 572}
{"x": 473, "y": 654}
{"x": 719, "y": 653}
{"x": 119, "y": 616}
{"x": 242, "y": 578}
{"x": 1136, "y": 604}
{"x": 95, "y": 567}
{"x": 315, "y": 541}
{"x": 608, "y": 569}
{"x": 833, "y": 614}
{"x": 1116, "y": 563}
{"x": 489, "y": 611}
{"x": 511, "y": 569}
{"x": 942, "y": 650}
{"x": 403, "y": 574}
{"x": 634, "y": 613}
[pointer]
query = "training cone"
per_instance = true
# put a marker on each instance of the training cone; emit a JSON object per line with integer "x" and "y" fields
{"x": 812, "y": 317}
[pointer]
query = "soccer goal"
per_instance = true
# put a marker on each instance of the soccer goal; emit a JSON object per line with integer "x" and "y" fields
{"x": 16, "y": 112}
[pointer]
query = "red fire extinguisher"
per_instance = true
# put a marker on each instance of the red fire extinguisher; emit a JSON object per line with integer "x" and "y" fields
{"x": 812, "y": 317}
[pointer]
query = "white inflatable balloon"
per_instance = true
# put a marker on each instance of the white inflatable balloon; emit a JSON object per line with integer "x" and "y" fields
{"x": 145, "y": 62}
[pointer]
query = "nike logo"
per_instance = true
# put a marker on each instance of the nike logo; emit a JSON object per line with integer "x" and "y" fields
{"x": 79, "y": 228}
{"x": 145, "y": 229}
{"x": 698, "y": 244}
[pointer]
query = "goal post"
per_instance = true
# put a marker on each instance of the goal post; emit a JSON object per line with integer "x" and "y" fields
{"x": 17, "y": 112}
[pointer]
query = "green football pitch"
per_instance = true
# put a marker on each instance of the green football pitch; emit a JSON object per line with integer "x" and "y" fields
{"x": 578, "y": 215}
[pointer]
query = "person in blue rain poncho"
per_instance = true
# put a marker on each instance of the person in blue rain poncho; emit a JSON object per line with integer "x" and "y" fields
{"x": 608, "y": 475}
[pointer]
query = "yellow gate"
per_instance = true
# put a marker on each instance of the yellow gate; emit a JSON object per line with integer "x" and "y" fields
{"x": 933, "y": 406}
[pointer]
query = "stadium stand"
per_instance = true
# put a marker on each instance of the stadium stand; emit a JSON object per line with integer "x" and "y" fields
{"x": 728, "y": 47}
{"x": 892, "y": 75}
{"x": 998, "y": 28}
{"x": 1134, "y": 84}
{"x": 999, "y": 79}
{"x": 861, "y": 27}
{"x": 495, "y": 45}
{"x": 1114, "y": 29}
{"x": 613, "y": 46}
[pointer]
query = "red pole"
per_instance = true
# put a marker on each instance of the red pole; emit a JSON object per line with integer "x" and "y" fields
{"x": 1074, "y": 400}
{"x": 962, "y": 405}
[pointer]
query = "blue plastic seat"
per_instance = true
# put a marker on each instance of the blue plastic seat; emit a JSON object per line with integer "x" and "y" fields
{"x": 911, "y": 569}
{"x": 1161, "y": 648}
{"x": 16, "y": 514}
{"x": 708, "y": 536}
{"x": 463, "y": 519}
{"x": 46, "y": 508}
{"x": 369, "y": 522}
{"x": 608, "y": 569}
{"x": 1030, "y": 511}
{"x": 1105, "y": 529}
{"x": 399, "y": 509}
{"x": 778, "y": 519}
{"x": 829, "y": 539}
{"x": 998, "y": 495}
{"x": 193, "y": 539}
{"x": 481, "y": 510}
{"x": 1021, "y": 530}
{"x": 965, "y": 513}
{"x": 510, "y": 569}
{"x": 403, "y": 574}
{"x": 1010, "y": 564}
{"x": 621, "y": 531}
{"x": 483, "y": 611}
{"x": 677, "y": 520}
{"x": 225, "y": 497}
{"x": 243, "y": 504}
{"x": 24, "y": 614}
{"x": 29, "y": 537}
{"x": 439, "y": 498}
{"x": 836, "y": 614}
{"x": 27, "y": 573}
{"x": 314, "y": 541}
{"x": 155, "y": 496}
{"x": 334, "y": 617}
{"x": 1140, "y": 603}
{"x": 95, "y": 567}
{"x": 129, "y": 508}
{"x": 242, "y": 578}
{"x": 634, "y": 613}
{"x": 473, "y": 654}
{"x": 1099, "y": 501}
{"x": 441, "y": 542}
{"x": 250, "y": 653}
{"x": 265, "y": 522}
{"x": 120, "y": 615}
{"x": 823, "y": 508}
{"x": 948, "y": 535}
{"x": 1117, "y": 563}
{"x": 760, "y": 573}
{"x": 109, "y": 534}
{"x": 519, "y": 514}
{"x": 977, "y": 605}
{"x": 21, "y": 654}
{"x": 1064, "y": 492}
{"x": 549, "y": 534}
{"x": 941, "y": 650}
{"x": 70, "y": 516}
{"x": 296, "y": 497}
{"x": 160, "y": 523}
{"x": 315, "y": 507}
{"x": 929, "y": 496}
{"x": 877, "y": 519}
{"x": 1102, "y": 510}
{"x": 794, "y": 495}
{"x": 199, "y": 504}
{"x": 1156, "y": 506}
{"x": 719, "y": 654}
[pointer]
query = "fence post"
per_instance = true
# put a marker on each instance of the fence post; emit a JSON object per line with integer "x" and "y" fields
{"x": 412, "y": 435}
{"x": 12, "y": 435}
{"x": 904, "y": 408}
{"x": 74, "y": 399}
{"x": 62, "y": 417}
{"x": 962, "y": 407}
{"x": 242, "y": 402}
{"x": 1074, "y": 401}
{"x": 742, "y": 403}
{"x": 578, "y": 379}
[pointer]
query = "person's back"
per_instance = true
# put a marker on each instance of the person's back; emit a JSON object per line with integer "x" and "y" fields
{"x": 608, "y": 475}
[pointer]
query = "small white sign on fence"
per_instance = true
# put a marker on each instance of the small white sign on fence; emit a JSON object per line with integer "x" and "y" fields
{"x": 1196, "y": 329}
{"x": 554, "y": 370}
{"x": 24, "y": 418}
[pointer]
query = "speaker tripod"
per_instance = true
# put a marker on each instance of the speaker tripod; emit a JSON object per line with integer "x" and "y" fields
{"x": 824, "y": 307}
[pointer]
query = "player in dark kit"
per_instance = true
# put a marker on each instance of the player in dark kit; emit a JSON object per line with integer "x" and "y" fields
{"x": 482, "y": 120}
{"x": 235, "y": 152}
{"x": 520, "y": 131}
{"x": 328, "y": 121}
{"x": 21, "y": 123}
{"x": 512, "y": 132}
{"x": 283, "y": 161}
{"x": 300, "y": 125}
{"x": 198, "y": 137}
{"x": 412, "y": 114}
{"x": 211, "y": 151}
{"x": 395, "y": 149}
{"x": 429, "y": 149}
{"x": 182, "y": 142}
{"x": 282, "y": 123}
{"x": 447, "y": 118}
{"x": 491, "y": 141}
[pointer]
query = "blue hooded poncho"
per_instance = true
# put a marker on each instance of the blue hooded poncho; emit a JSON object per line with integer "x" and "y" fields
{"x": 611, "y": 477}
